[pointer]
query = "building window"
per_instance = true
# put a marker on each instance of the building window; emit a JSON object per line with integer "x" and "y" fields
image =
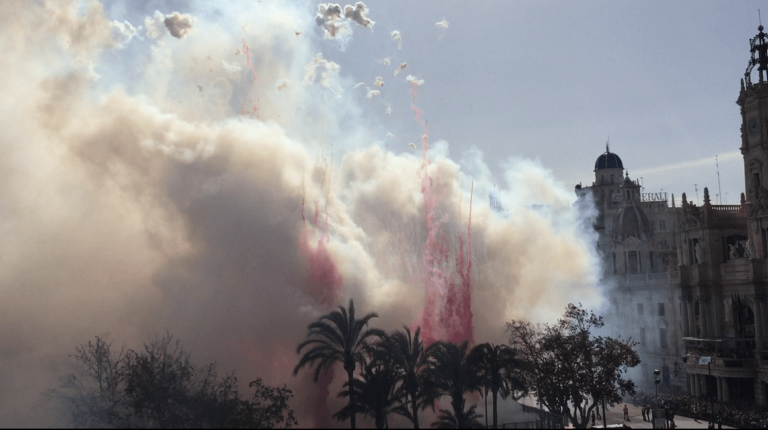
{"x": 662, "y": 225}
{"x": 661, "y": 309}
{"x": 639, "y": 308}
{"x": 632, "y": 261}
{"x": 642, "y": 336}
{"x": 663, "y": 338}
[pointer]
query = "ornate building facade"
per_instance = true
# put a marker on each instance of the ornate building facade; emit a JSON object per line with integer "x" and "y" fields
{"x": 689, "y": 283}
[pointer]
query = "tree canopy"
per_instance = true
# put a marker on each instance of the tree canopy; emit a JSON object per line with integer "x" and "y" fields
{"x": 568, "y": 368}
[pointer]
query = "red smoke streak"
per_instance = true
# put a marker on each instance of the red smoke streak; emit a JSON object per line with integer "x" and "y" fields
{"x": 324, "y": 283}
{"x": 247, "y": 52}
{"x": 447, "y": 313}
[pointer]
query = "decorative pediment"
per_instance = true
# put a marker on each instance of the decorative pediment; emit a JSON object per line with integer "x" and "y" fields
{"x": 632, "y": 243}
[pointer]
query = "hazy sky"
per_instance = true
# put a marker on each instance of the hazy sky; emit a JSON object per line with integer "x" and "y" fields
{"x": 157, "y": 178}
{"x": 554, "y": 81}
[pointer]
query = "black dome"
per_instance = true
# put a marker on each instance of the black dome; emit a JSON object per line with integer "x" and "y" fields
{"x": 608, "y": 160}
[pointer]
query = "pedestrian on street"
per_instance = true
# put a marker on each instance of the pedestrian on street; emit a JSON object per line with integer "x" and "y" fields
{"x": 626, "y": 413}
{"x": 593, "y": 418}
{"x": 598, "y": 413}
{"x": 643, "y": 410}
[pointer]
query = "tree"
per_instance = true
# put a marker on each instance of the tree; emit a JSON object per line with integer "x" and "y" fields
{"x": 450, "y": 373}
{"x": 565, "y": 366}
{"x": 338, "y": 337}
{"x": 498, "y": 369}
{"x": 375, "y": 394}
{"x": 406, "y": 352}
{"x": 468, "y": 420}
{"x": 159, "y": 386}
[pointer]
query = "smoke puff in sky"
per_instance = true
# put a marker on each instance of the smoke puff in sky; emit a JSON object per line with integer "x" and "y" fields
{"x": 128, "y": 210}
{"x": 379, "y": 82}
{"x": 442, "y": 24}
{"x": 357, "y": 14}
{"x": 401, "y": 67}
{"x": 396, "y": 37}
{"x": 415, "y": 82}
{"x": 179, "y": 25}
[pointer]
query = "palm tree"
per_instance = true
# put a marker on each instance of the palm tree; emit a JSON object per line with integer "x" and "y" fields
{"x": 375, "y": 395}
{"x": 468, "y": 420}
{"x": 452, "y": 374}
{"x": 406, "y": 352}
{"x": 496, "y": 366}
{"x": 338, "y": 337}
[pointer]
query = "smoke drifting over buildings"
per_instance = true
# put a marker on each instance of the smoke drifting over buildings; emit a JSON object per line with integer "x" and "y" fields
{"x": 129, "y": 210}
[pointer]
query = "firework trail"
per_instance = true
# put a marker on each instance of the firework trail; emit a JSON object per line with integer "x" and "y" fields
{"x": 255, "y": 108}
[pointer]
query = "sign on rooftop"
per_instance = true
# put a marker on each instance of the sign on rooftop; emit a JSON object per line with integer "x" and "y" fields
{"x": 705, "y": 360}
{"x": 653, "y": 197}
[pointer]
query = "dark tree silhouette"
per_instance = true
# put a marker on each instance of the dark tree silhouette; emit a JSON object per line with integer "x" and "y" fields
{"x": 467, "y": 420}
{"x": 406, "y": 352}
{"x": 565, "y": 366}
{"x": 159, "y": 386}
{"x": 338, "y": 337}
{"x": 498, "y": 369}
{"x": 450, "y": 373}
{"x": 375, "y": 394}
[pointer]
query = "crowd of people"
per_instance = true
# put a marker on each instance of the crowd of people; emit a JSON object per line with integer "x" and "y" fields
{"x": 741, "y": 413}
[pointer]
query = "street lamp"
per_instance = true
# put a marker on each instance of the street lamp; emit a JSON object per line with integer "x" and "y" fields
{"x": 656, "y": 381}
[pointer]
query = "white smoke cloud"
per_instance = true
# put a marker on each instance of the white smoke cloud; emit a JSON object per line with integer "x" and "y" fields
{"x": 379, "y": 82}
{"x": 357, "y": 14}
{"x": 122, "y": 32}
{"x": 388, "y": 111}
{"x": 396, "y": 37}
{"x": 177, "y": 24}
{"x": 385, "y": 61}
{"x": 329, "y": 17}
{"x": 282, "y": 84}
{"x": 415, "y": 82}
{"x": 128, "y": 212}
{"x": 373, "y": 93}
{"x": 230, "y": 67}
{"x": 85, "y": 66}
{"x": 401, "y": 67}
{"x": 442, "y": 24}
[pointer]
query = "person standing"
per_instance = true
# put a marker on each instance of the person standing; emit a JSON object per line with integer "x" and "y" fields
{"x": 593, "y": 418}
{"x": 643, "y": 411}
{"x": 626, "y": 413}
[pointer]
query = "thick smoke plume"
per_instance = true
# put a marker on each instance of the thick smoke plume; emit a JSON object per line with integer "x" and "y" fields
{"x": 135, "y": 203}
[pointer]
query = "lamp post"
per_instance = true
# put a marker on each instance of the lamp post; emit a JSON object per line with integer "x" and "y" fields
{"x": 656, "y": 381}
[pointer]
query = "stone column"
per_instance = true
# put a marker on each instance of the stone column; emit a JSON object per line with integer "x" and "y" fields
{"x": 719, "y": 389}
{"x": 703, "y": 318}
{"x": 695, "y": 380}
{"x": 691, "y": 319}
{"x": 758, "y": 325}
{"x": 726, "y": 396}
{"x": 684, "y": 317}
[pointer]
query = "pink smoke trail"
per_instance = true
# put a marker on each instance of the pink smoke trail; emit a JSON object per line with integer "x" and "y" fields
{"x": 247, "y": 52}
{"x": 447, "y": 312}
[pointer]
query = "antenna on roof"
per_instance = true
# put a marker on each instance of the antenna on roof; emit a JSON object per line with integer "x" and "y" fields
{"x": 758, "y": 17}
{"x": 720, "y": 190}
{"x": 607, "y": 145}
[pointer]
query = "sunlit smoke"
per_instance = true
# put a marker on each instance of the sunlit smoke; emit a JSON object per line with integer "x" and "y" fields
{"x": 396, "y": 37}
{"x": 136, "y": 199}
{"x": 400, "y": 68}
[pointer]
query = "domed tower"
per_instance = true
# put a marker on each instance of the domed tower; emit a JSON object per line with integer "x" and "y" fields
{"x": 608, "y": 168}
{"x": 753, "y": 101}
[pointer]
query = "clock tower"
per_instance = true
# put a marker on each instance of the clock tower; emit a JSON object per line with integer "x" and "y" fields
{"x": 753, "y": 101}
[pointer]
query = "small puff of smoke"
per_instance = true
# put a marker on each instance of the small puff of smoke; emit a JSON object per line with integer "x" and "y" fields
{"x": 373, "y": 93}
{"x": 396, "y": 38}
{"x": 230, "y": 67}
{"x": 385, "y": 61}
{"x": 282, "y": 84}
{"x": 379, "y": 82}
{"x": 442, "y": 24}
{"x": 388, "y": 111}
{"x": 179, "y": 24}
{"x": 327, "y": 76}
{"x": 390, "y": 135}
{"x": 329, "y": 17}
{"x": 400, "y": 68}
{"x": 412, "y": 146}
{"x": 415, "y": 83}
{"x": 357, "y": 13}
{"x": 122, "y": 33}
